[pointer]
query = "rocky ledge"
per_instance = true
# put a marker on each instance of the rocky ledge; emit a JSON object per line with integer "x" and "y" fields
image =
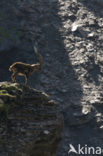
{"x": 30, "y": 123}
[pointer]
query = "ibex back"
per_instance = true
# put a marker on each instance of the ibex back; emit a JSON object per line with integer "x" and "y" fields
{"x": 23, "y": 69}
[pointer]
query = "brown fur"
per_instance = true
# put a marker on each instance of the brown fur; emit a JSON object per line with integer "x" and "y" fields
{"x": 23, "y": 69}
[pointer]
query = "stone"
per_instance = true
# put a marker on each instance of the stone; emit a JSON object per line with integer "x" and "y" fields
{"x": 91, "y": 35}
{"x": 74, "y": 27}
{"x": 46, "y": 132}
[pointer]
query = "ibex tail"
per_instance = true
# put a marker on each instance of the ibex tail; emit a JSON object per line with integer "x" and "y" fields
{"x": 41, "y": 58}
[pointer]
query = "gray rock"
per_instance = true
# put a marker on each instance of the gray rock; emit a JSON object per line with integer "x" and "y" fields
{"x": 91, "y": 35}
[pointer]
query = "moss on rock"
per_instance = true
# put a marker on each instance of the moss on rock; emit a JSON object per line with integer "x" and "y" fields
{"x": 9, "y": 95}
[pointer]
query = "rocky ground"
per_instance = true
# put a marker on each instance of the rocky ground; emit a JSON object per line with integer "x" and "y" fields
{"x": 69, "y": 36}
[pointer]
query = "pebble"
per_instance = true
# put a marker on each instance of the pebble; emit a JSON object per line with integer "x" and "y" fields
{"x": 46, "y": 132}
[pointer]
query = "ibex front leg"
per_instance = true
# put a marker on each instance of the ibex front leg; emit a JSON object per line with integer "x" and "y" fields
{"x": 13, "y": 77}
{"x": 26, "y": 79}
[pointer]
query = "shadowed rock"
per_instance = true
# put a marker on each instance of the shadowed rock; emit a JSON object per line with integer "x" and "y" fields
{"x": 31, "y": 123}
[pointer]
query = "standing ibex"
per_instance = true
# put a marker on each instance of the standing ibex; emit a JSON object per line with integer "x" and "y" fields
{"x": 23, "y": 69}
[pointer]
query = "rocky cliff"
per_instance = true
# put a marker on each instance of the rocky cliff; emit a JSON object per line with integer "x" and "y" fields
{"x": 30, "y": 123}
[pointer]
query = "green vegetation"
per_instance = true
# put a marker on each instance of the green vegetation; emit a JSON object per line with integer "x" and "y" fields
{"x": 10, "y": 88}
{"x": 9, "y": 95}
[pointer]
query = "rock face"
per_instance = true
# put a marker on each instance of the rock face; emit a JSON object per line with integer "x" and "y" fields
{"x": 99, "y": 1}
{"x": 30, "y": 123}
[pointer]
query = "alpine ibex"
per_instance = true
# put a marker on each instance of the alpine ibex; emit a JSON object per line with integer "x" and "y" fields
{"x": 24, "y": 69}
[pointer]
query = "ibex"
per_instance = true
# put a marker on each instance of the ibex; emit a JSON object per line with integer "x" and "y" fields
{"x": 23, "y": 69}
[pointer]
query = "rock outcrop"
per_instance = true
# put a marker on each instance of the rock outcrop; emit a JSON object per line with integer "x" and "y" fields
{"x": 30, "y": 123}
